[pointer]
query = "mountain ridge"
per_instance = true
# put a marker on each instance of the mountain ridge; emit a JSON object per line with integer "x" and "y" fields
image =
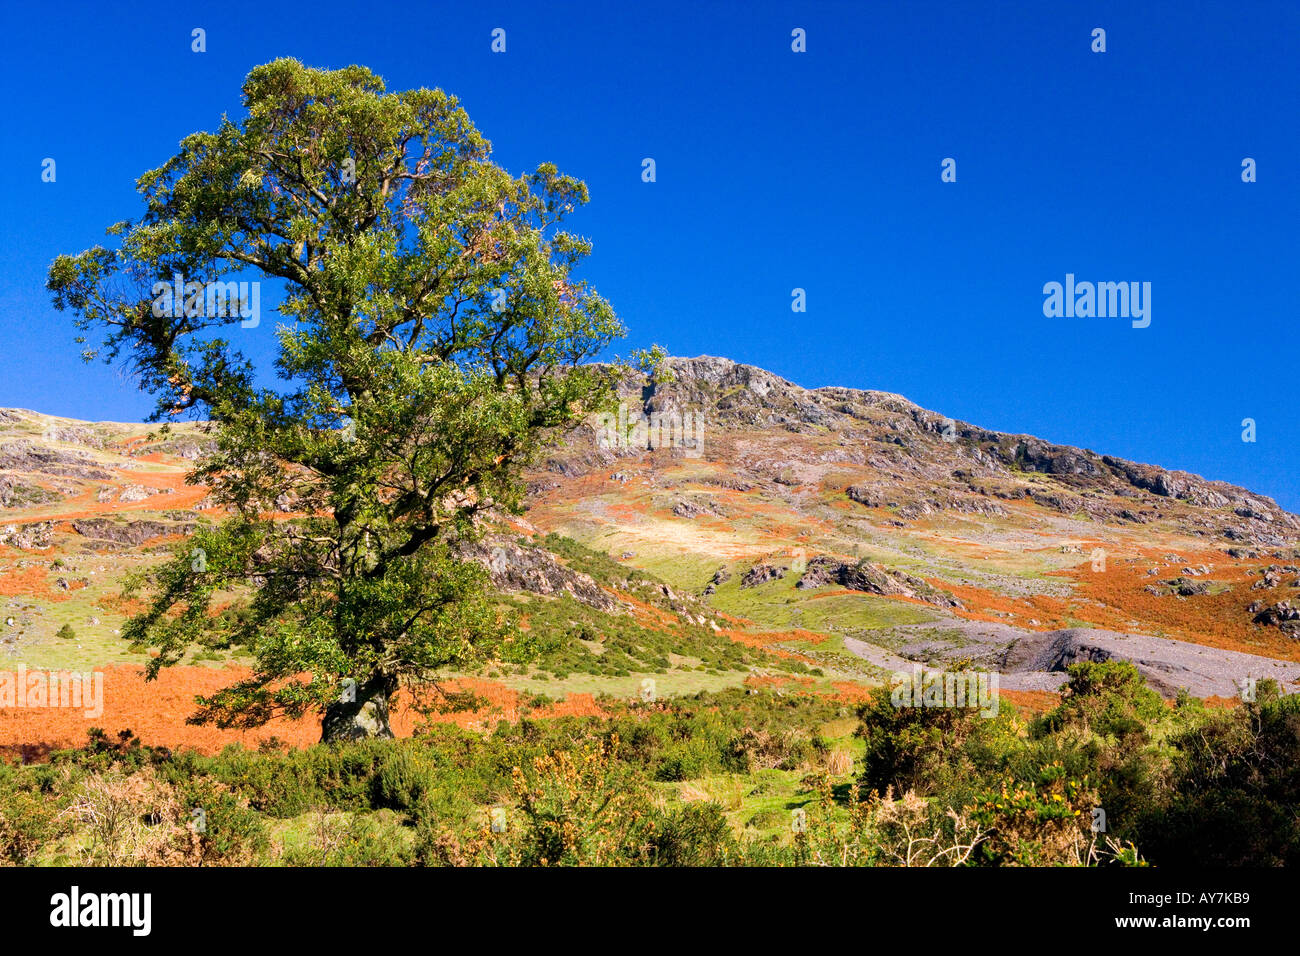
{"x": 984, "y": 449}
{"x": 883, "y": 397}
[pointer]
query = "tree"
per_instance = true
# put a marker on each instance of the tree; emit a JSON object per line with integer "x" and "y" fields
{"x": 433, "y": 340}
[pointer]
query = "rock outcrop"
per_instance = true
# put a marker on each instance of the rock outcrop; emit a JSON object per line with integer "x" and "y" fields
{"x": 130, "y": 533}
{"x": 873, "y": 579}
{"x": 514, "y": 567}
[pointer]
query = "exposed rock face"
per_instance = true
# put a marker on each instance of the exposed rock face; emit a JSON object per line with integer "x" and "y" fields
{"x": 1272, "y": 576}
{"x": 76, "y": 435}
{"x": 29, "y": 457}
{"x": 873, "y": 579}
{"x": 750, "y": 394}
{"x": 821, "y": 571}
{"x": 720, "y": 576}
{"x": 34, "y": 535}
{"x": 1167, "y": 665}
{"x": 924, "y": 506}
{"x": 1033, "y": 454}
{"x": 128, "y": 532}
{"x": 516, "y": 568}
{"x": 761, "y": 573}
{"x": 1039, "y": 660}
{"x": 15, "y": 493}
{"x": 133, "y": 493}
{"x": 928, "y": 464}
{"x": 1283, "y": 615}
{"x": 727, "y": 481}
{"x": 1183, "y": 585}
{"x": 692, "y": 509}
{"x": 187, "y": 448}
{"x": 870, "y": 495}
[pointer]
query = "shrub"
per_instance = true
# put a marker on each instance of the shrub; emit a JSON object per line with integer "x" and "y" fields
{"x": 227, "y": 831}
{"x": 694, "y": 835}
{"x": 1045, "y": 822}
{"x": 1109, "y": 699}
{"x": 404, "y": 780}
{"x": 580, "y": 809}
{"x": 28, "y": 822}
{"x": 930, "y": 750}
{"x": 1231, "y": 798}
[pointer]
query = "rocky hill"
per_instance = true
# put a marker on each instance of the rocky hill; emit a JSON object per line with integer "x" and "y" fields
{"x": 920, "y": 463}
{"x": 850, "y": 514}
{"x": 726, "y": 526}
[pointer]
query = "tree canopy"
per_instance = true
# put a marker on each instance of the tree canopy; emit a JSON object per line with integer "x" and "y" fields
{"x": 433, "y": 338}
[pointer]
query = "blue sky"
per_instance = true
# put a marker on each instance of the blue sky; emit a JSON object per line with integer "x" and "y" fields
{"x": 779, "y": 170}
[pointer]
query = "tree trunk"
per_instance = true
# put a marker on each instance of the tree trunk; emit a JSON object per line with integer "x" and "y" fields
{"x": 363, "y": 718}
{"x": 363, "y": 714}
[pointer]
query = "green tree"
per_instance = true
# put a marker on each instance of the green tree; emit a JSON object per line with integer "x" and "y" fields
{"x": 433, "y": 339}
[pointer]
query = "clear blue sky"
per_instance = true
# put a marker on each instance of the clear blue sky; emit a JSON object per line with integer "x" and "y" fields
{"x": 779, "y": 170}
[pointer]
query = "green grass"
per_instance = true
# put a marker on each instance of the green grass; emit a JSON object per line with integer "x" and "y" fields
{"x": 779, "y": 605}
{"x": 682, "y": 571}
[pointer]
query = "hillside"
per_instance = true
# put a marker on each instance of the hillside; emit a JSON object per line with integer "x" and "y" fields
{"x": 832, "y": 513}
{"x": 783, "y": 536}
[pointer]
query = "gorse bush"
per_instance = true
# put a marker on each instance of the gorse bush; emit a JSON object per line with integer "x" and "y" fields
{"x": 28, "y": 822}
{"x": 1234, "y": 789}
{"x": 1107, "y": 699}
{"x": 404, "y": 780}
{"x": 931, "y": 750}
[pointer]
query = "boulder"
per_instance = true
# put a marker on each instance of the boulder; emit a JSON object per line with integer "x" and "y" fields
{"x": 761, "y": 573}
{"x": 33, "y": 535}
